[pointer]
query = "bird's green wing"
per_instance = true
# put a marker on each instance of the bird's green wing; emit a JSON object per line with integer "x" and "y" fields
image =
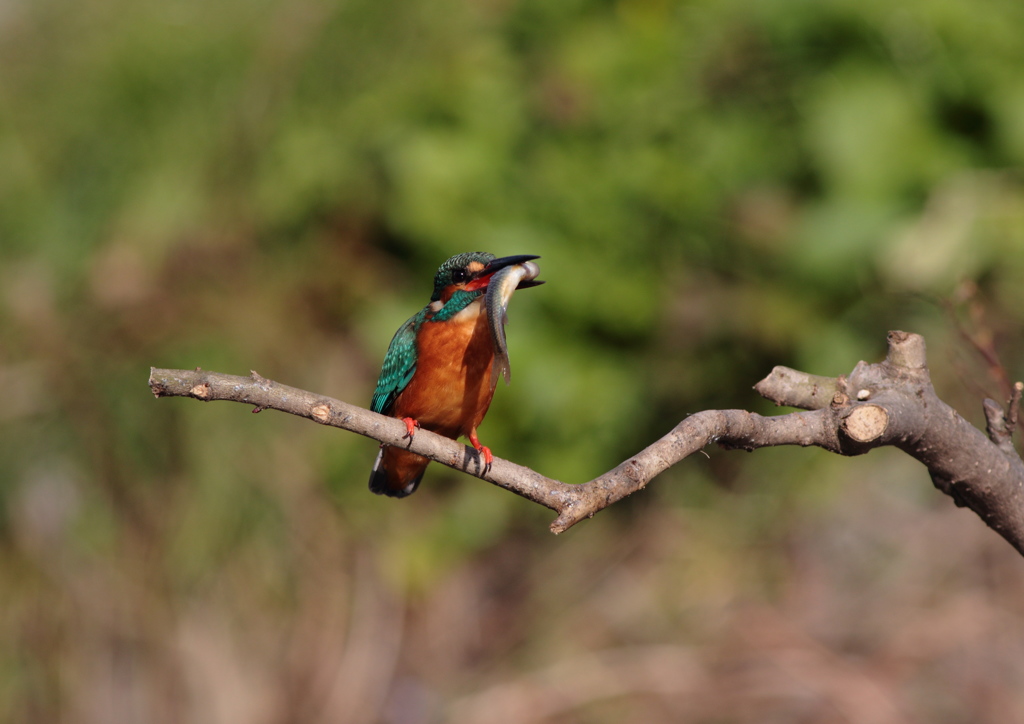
{"x": 399, "y": 365}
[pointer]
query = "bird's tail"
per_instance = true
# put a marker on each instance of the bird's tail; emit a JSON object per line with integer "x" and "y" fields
{"x": 397, "y": 472}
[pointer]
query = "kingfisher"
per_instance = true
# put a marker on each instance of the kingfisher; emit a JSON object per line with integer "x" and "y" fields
{"x": 438, "y": 373}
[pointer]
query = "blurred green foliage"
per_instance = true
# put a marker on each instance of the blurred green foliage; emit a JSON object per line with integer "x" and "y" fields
{"x": 714, "y": 187}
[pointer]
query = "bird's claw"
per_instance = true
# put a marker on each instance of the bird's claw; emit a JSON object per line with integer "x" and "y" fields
{"x": 410, "y": 427}
{"x": 483, "y": 450}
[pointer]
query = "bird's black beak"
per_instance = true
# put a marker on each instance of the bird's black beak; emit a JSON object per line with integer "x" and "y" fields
{"x": 502, "y": 262}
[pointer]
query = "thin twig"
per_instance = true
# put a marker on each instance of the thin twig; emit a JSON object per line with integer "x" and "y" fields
{"x": 1014, "y": 407}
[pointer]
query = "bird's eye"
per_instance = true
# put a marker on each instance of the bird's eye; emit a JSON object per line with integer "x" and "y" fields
{"x": 459, "y": 276}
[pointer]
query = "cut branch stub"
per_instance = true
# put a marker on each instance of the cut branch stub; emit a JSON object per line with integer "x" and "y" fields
{"x": 907, "y": 350}
{"x": 866, "y": 423}
{"x": 792, "y": 388}
{"x": 321, "y": 413}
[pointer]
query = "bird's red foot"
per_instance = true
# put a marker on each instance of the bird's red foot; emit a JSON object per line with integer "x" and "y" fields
{"x": 410, "y": 426}
{"x": 482, "y": 449}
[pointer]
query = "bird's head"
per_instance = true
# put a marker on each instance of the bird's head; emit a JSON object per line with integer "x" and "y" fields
{"x": 472, "y": 271}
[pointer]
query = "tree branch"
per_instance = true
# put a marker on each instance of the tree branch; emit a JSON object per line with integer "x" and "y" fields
{"x": 888, "y": 403}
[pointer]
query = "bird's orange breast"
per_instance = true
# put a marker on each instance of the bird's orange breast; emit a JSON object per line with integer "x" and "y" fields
{"x": 452, "y": 388}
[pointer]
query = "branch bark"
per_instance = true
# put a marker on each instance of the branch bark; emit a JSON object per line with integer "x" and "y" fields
{"x": 887, "y": 403}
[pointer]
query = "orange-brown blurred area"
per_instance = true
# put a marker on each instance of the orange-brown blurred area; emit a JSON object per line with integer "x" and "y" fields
{"x": 714, "y": 188}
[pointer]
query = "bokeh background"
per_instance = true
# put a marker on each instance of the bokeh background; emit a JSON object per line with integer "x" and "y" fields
{"x": 715, "y": 187}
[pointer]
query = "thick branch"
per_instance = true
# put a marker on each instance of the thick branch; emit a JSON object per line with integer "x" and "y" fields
{"x": 889, "y": 403}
